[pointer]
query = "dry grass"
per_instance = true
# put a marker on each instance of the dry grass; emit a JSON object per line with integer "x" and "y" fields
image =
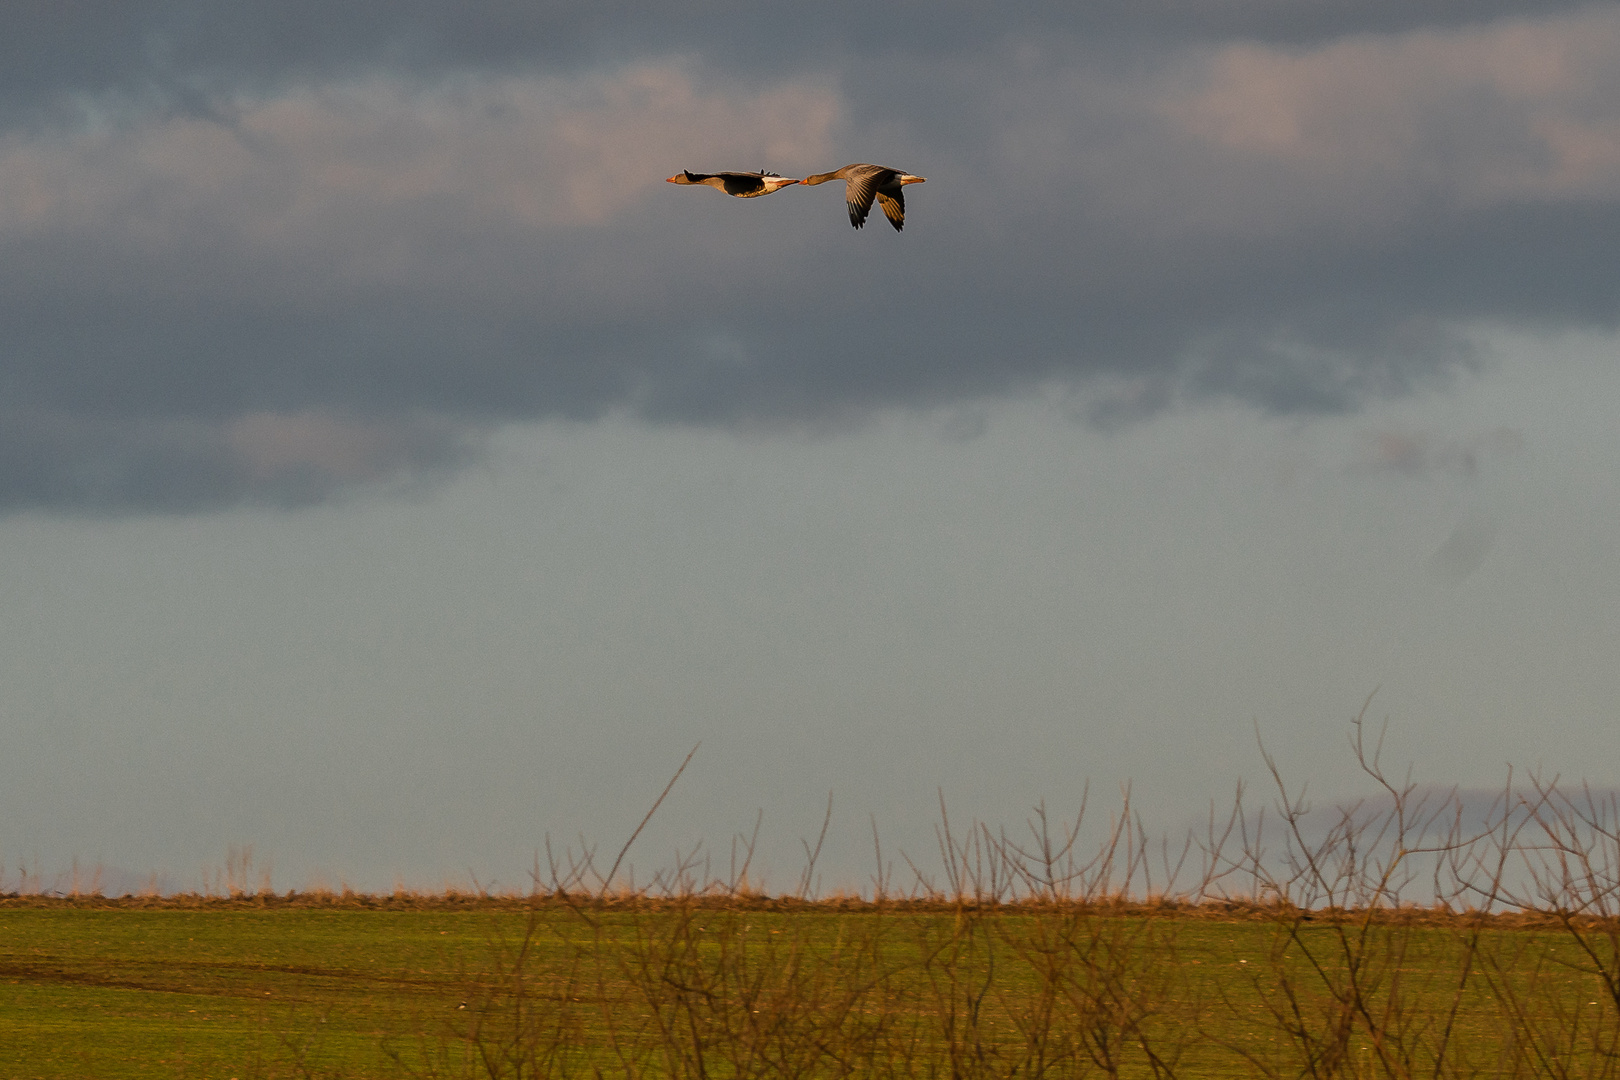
{"x": 1400, "y": 938}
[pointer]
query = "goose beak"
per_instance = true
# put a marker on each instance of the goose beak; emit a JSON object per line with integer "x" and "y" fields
{"x": 913, "y": 180}
{"x": 674, "y": 179}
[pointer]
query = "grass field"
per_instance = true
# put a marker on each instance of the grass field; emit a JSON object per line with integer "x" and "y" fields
{"x": 98, "y": 992}
{"x": 1290, "y": 953}
{"x": 366, "y": 988}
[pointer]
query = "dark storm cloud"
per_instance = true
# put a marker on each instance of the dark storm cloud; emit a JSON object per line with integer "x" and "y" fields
{"x": 99, "y": 44}
{"x": 266, "y": 252}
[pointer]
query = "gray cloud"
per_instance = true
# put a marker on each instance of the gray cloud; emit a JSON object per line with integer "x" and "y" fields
{"x": 101, "y": 44}
{"x": 1464, "y": 550}
{"x": 117, "y": 465}
{"x": 1421, "y": 454}
{"x": 383, "y": 228}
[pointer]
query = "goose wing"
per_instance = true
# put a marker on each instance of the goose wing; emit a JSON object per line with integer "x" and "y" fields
{"x": 892, "y": 201}
{"x": 742, "y": 185}
{"x": 860, "y": 186}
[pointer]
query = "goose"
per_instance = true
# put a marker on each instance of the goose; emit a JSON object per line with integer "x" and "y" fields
{"x": 744, "y": 185}
{"x": 862, "y": 182}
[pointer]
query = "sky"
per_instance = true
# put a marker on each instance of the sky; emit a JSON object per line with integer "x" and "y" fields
{"x": 395, "y": 471}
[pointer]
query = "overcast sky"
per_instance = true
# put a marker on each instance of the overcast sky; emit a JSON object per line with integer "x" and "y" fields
{"x": 393, "y": 468}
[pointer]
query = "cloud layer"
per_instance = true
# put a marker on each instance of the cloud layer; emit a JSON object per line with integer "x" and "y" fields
{"x": 242, "y": 261}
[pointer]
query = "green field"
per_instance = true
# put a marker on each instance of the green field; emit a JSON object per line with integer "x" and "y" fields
{"x": 381, "y": 988}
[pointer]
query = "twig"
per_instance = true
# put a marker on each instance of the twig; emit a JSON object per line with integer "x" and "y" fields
{"x": 656, "y": 804}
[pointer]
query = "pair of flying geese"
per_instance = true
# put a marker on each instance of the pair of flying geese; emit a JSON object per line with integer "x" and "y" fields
{"x": 862, "y": 183}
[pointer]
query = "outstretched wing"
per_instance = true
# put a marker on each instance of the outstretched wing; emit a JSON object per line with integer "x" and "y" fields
{"x": 893, "y": 204}
{"x": 859, "y": 190}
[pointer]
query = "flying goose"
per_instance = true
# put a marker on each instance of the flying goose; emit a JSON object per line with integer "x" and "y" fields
{"x": 862, "y": 182}
{"x": 744, "y": 185}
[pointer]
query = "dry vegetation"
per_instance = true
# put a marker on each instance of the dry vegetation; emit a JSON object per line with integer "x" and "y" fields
{"x": 1408, "y": 936}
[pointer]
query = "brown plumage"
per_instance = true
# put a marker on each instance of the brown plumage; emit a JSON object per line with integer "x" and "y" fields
{"x": 864, "y": 182}
{"x": 744, "y": 185}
